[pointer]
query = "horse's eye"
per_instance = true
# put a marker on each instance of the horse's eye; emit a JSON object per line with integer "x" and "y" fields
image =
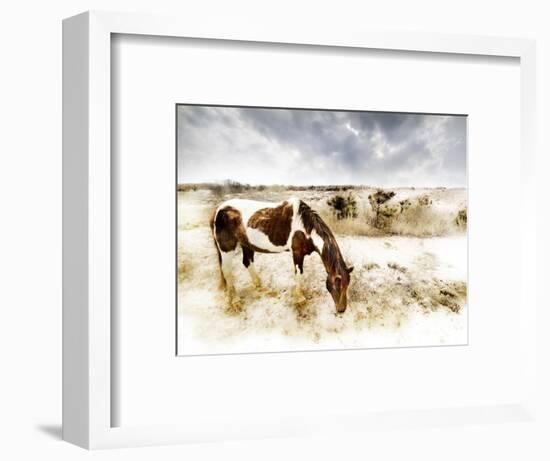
{"x": 327, "y": 284}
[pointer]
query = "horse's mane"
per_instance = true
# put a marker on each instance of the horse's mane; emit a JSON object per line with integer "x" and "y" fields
{"x": 330, "y": 253}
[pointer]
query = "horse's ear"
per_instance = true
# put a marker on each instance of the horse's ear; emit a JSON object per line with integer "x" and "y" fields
{"x": 350, "y": 269}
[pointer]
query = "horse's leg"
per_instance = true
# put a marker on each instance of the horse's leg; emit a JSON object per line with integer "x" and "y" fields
{"x": 227, "y": 269}
{"x": 223, "y": 283}
{"x": 248, "y": 261}
{"x": 298, "y": 259}
{"x": 298, "y": 276}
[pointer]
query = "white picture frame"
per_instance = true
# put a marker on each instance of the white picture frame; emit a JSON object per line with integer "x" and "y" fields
{"x": 87, "y": 361}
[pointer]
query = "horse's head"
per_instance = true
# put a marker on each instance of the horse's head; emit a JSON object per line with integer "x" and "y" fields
{"x": 337, "y": 285}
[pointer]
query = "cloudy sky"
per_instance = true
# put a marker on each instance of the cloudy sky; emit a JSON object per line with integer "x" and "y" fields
{"x": 311, "y": 147}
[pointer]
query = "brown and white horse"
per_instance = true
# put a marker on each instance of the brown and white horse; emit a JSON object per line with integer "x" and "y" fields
{"x": 267, "y": 227}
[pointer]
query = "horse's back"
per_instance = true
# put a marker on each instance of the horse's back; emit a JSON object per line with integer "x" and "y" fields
{"x": 248, "y": 207}
{"x": 267, "y": 225}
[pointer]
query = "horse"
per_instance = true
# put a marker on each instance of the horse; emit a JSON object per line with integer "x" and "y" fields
{"x": 267, "y": 227}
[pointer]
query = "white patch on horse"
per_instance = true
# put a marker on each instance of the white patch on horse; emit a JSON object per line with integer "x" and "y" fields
{"x": 297, "y": 224}
{"x": 317, "y": 240}
{"x": 261, "y": 240}
{"x": 227, "y": 269}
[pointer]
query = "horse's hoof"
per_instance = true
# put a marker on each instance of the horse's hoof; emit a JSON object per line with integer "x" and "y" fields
{"x": 300, "y": 301}
{"x": 235, "y": 306}
{"x": 267, "y": 291}
{"x": 236, "y": 302}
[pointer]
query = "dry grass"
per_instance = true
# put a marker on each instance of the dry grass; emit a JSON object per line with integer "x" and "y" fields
{"x": 398, "y": 283}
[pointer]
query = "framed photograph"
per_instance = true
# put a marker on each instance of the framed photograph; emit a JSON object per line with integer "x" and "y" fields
{"x": 290, "y": 232}
{"x": 361, "y": 216}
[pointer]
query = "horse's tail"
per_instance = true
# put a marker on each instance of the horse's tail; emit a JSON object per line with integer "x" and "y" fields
{"x": 213, "y": 229}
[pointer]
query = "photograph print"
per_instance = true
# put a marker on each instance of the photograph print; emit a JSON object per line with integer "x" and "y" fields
{"x": 310, "y": 229}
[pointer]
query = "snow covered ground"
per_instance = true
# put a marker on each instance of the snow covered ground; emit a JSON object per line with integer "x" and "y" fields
{"x": 405, "y": 290}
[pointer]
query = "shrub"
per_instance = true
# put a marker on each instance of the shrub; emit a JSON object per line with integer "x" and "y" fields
{"x": 228, "y": 187}
{"x": 461, "y": 219}
{"x": 424, "y": 200}
{"x": 376, "y": 200}
{"x": 235, "y": 187}
{"x": 418, "y": 217}
{"x": 343, "y": 206}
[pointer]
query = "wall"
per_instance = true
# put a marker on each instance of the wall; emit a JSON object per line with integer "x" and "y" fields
{"x": 30, "y": 243}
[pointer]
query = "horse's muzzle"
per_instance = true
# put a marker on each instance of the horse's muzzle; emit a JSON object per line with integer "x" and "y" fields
{"x": 341, "y": 308}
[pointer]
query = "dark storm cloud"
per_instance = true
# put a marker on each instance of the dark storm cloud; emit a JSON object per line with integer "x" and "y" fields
{"x": 320, "y": 147}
